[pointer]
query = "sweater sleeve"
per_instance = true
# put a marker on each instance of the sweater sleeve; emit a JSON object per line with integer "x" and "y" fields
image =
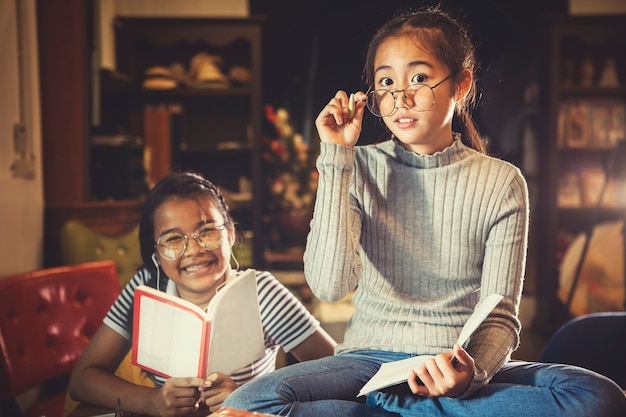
{"x": 331, "y": 257}
{"x": 503, "y": 272}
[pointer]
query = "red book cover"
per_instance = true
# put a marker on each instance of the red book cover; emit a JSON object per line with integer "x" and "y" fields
{"x": 173, "y": 337}
{"x": 167, "y": 329}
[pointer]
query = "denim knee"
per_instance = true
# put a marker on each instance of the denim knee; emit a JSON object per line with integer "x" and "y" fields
{"x": 256, "y": 395}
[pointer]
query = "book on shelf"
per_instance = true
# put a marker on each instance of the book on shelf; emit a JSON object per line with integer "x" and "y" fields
{"x": 592, "y": 178}
{"x": 577, "y": 125}
{"x": 600, "y": 117}
{"x": 588, "y": 185}
{"x": 591, "y": 123}
{"x": 614, "y": 195}
{"x": 397, "y": 372}
{"x": 569, "y": 193}
{"x": 173, "y": 337}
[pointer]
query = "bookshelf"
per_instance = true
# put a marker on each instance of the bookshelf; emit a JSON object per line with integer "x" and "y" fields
{"x": 207, "y": 121}
{"x": 585, "y": 127}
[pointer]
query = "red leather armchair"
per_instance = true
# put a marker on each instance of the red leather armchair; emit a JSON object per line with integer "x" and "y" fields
{"x": 47, "y": 317}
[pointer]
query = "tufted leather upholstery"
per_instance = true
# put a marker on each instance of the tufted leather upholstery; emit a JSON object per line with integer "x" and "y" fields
{"x": 79, "y": 243}
{"x": 47, "y": 317}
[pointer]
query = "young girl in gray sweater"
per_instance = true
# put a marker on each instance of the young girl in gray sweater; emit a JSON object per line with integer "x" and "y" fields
{"x": 422, "y": 227}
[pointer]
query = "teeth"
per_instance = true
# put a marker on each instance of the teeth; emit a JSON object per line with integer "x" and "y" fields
{"x": 194, "y": 268}
{"x": 404, "y": 120}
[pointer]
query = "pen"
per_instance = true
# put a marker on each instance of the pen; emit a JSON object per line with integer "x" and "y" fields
{"x": 118, "y": 409}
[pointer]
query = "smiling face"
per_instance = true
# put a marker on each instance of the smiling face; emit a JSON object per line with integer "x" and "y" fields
{"x": 402, "y": 61}
{"x": 198, "y": 272}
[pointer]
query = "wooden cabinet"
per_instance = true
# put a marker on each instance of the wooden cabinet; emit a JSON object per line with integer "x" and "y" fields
{"x": 62, "y": 37}
{"x": 585, "y": 134}
{"x": 207, "y": 118}
{"x": 90, "y": 170}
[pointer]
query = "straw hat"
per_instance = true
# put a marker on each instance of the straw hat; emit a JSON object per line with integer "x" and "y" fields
{"x": 159, "y": 78}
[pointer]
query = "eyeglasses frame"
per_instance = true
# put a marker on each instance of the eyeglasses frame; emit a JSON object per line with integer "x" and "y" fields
{"x": 195, "y": 236}
{"x": 404, "y": 96}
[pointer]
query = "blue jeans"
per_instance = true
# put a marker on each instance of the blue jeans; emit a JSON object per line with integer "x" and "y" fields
{"x": 328, "y": 387}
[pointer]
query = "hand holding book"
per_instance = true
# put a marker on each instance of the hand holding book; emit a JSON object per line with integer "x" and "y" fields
{"x": 396, "y": 372}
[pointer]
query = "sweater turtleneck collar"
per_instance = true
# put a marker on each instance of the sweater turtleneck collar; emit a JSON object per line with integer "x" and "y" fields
{"x": 457, "y": 151}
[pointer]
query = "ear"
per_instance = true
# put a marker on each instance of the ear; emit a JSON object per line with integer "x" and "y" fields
{"x": 464, "y": 84}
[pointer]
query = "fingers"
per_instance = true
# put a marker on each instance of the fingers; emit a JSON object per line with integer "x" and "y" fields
{"x": 178, "y": 401}
{"x": 343, "y": 108}
{"x": 179, "y": 396}
{"x": 219, "y": 386}
{"x": 216, "y": 378}
{"x": 416, "y": 385}
{"x": 340, "y": 120}
{"x": 187, "y": 382}
{"x": 351, "y": 107}
{"x": 439, "y": 376}
{"x": 465, "y": 361}
{"x": 214, "y": 402}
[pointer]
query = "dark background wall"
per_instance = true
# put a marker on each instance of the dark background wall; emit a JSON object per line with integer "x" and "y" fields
{"x": 507, "y": 34}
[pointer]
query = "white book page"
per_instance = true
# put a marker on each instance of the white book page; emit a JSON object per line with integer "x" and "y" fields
{"x": 169, "y": 339}
{"x": 236, "y": 331}
{"x": 478, "y": 316}
{"x": 392, "y": 373}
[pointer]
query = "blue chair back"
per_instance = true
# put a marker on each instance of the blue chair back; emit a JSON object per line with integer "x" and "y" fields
{"x": 595, "y": 341}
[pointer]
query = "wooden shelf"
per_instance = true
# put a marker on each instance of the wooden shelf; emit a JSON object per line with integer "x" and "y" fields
{"x": 574, "y": 43}
{"x": 187, "y": 127}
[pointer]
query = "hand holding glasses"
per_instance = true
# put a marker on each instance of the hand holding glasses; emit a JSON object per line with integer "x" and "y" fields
{"x": 420, "y": 97}
{"x": 172, "y": 245}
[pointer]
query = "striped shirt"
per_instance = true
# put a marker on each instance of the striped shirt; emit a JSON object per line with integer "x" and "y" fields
{"x": 286, "y": 322}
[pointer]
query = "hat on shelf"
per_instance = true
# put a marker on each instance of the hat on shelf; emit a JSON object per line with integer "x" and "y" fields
{"x": 178, "y": 71}
{"x": 205, "y": 72}
{"x": 159, "y": 78}
{"x": 240, "y": 74}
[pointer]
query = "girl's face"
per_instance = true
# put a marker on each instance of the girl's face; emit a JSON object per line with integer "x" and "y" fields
{"x": 198, "y": 272}
{"x": 400, "y": 62}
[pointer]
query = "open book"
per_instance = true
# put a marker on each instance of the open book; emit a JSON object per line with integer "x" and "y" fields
{"x": 175, "y": 338}
{"x": 392, "y": 373}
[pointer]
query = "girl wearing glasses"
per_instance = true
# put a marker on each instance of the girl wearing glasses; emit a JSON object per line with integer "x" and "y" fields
{"x": 422, "y": 227}
{"x": 186, "y": 237}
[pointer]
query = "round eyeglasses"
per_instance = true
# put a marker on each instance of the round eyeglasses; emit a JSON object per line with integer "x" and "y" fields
{"x": 172, "y": 245}
{"x": 420, "y": 97}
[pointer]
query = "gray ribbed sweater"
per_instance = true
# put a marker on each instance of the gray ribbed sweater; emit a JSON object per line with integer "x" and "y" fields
{"x": 422, "y": 238}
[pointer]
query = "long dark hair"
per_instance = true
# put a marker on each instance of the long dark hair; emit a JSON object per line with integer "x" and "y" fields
{"x": 185, "y": 185}
{"x": 446, "y": 38}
